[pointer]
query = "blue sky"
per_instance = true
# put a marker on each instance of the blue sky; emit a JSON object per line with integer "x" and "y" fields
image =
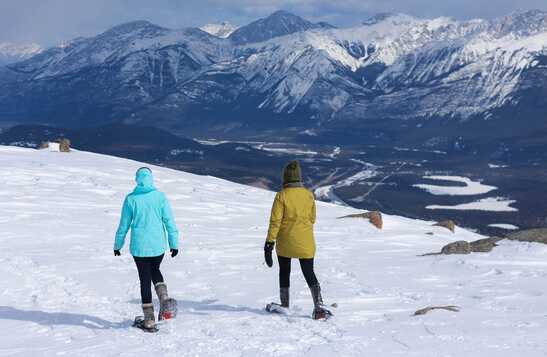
{"x": 51, "y": 21}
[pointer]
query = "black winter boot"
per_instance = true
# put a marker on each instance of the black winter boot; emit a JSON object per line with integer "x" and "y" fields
{"x": 284, "y": 306}
{"x": 320, "y": 312}
{"x": 284, "y": 297}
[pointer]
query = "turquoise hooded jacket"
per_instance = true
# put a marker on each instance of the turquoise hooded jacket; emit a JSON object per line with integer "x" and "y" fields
{"x": 147, "y": 212}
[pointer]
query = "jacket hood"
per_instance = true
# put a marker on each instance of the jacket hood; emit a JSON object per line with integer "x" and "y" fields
{"x": 145, "y": 180}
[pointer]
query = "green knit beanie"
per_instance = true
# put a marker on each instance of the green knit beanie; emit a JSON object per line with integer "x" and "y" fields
{"x": 292, "y": 173}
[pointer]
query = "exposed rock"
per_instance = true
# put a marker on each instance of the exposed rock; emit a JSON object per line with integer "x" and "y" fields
{"x": 448, "y": 224}
{"x": 375, "y": 217}
{"x": 459, "y": 247}
{"x": 430, "y": 308}
{"x": 484, "y": 245}
{"x": 537, "y": 235}
{"x": 43, "y": 145}
{"x": 462, "y": 247}
{"x": 64, "y": 145}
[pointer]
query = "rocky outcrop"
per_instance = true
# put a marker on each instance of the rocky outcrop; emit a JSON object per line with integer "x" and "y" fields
{"x": 64, "y": 145}
{"x": 484, "y": 245}
{"x": 448, "y": 224}
{"x": 374, "y": 217}
{"x": 463, "y": 247}
{"x": 537, "y": 235}
{"x": 459, "y": 247}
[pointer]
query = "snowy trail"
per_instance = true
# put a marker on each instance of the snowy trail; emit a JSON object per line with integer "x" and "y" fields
{"x": 64, "y": 293}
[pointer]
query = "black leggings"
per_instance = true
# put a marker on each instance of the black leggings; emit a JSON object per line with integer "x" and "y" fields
{"x": 149, "y": 271}
{"x": 285, "y": 271}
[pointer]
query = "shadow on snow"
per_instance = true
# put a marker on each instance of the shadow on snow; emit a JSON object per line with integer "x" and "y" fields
{"x": 60, "y": 318}
{"x": 204, "y": 307}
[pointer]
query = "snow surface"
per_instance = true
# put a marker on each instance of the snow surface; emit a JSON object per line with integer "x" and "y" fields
{"x": 360, "y": 176}
{"x": 494, "y": 166}
{"x": 54, "y": 147}
{"x": 21, "y": 50}
{"x": 492, "y": 204}
{"x": 288, "y": 150}
{"x": 222, "y": 30}
{"x": 507, "y": 226}
{"x": 471, "y": 187}
{"x": 64, "y": 293}
{"x": 11, "y": 52}
{"x": 328, "y": 193}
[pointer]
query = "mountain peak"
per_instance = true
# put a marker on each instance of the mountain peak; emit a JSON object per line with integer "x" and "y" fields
{"x": 521, "y": 22}
{"x": 282, "y": 13}
{"x": 135, "y": 26}
{"x": 279, "y": 23}
{"x": 222, "y": 30}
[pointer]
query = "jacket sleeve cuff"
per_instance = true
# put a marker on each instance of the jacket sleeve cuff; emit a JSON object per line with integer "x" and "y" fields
{"x": 173, "y": 243}
{"x": 118, "y": 243}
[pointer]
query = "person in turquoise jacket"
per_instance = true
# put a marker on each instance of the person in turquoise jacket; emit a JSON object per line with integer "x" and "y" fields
{"x": 146, "y": 211}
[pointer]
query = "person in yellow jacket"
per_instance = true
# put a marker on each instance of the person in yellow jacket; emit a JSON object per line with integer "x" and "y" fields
{"x": 291, "y": 227}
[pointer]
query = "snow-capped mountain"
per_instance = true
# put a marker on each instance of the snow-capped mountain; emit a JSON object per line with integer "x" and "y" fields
{"x": 63, "y": 287}
{"x": 222, "y": 30}
{"x": 10, "y": 52}
{"x": 286, "y": 69}
{"x": 280, "y": 23}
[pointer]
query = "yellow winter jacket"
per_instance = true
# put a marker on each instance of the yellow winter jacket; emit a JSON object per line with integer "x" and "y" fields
{"x": 291, "y": 223}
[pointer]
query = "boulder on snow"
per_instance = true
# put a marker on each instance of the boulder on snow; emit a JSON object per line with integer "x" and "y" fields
{"x": 463, "y": 247}
{"x": 64, "y": 145}
{"x": 537, "y": 235}
{"x": 484, "y": 245}
{"x": 448, "y": 224}
{"x": 375, "y": 217}
{"x": 459, "y": 247}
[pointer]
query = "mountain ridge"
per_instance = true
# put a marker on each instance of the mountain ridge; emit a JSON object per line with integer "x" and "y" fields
{"x": 311, "y": 75}
{"x": 11, "y": 52}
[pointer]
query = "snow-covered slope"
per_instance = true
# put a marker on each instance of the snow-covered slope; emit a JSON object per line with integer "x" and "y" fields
{"x": 10, "y": 52}
{"x": 223, "y": 30}
{"x": 64, "y": 293}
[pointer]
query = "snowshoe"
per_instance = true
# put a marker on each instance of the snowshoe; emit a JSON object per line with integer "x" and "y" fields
{"x": 168, "y": 310}
{"x": 139, "y": 323}
{"x": 321, "y": 313}
{"x": 275, "y": 308}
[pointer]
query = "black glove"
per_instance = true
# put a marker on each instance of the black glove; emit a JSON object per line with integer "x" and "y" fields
{"x": 268, "y": 248}
{"x": 117, "y": 253}
{"x": 174, "y": 252}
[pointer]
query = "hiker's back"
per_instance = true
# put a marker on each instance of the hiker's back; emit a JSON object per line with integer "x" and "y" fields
{"x": 295, "y": 238}
{"x": 299, "y": 204}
